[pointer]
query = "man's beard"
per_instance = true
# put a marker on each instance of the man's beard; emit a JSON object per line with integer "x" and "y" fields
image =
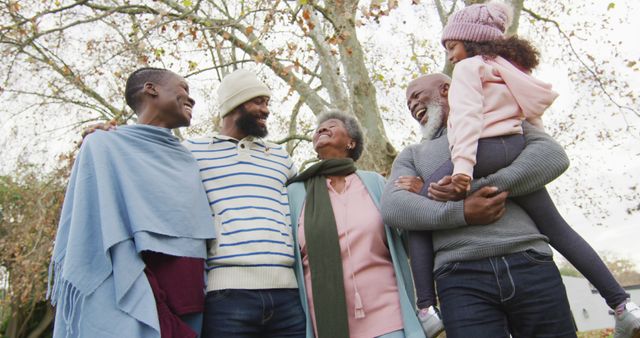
{"x": 248, "y": 124}
{"x": 434, "y": 121}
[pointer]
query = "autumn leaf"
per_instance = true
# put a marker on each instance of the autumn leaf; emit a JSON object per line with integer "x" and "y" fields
{"x": 187, "y": 3}
{"x": 159, "y": 52}
{"x": 611, "y": 6}
{"x": 249, "y": 30}
{"x": 259, "y": 57}
{"x": 14, "y": 7}
{"x": 306, "y": 14}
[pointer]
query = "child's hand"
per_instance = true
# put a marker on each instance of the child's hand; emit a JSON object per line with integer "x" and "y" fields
{"x": 461, "y": 182}
{"x": 410, "y": 183}
{"x": 448, "y": 190}
{"x": 444, "y": 191}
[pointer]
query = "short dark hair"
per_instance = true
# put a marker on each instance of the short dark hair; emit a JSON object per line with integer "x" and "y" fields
{"x": 516, "y": 50}
{"x": 136, "y": 82}
{"x": 353, "y": 130}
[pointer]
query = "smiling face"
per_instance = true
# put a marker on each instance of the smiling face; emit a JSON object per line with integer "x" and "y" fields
{"x": 419, "y": 96}
{"x": 455, "y": 51}
{"x": 253, "y": 117}
{"x": 174, "y": 102}
{"x": 427, "y": 102}
{"x": 427, "y": 91}
{"x": 331, "y": 140}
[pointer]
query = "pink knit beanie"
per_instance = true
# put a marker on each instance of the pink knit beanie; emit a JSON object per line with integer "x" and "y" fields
{"x": 479, "y": 22}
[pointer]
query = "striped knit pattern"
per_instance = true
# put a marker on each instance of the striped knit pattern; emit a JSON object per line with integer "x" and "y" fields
{"x": 245, "y": 183}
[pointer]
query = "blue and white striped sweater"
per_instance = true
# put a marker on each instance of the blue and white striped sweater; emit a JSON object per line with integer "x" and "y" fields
{"x": 244, "y": 181}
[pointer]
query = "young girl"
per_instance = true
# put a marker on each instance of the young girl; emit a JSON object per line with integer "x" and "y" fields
{"x": 491, "y": 92}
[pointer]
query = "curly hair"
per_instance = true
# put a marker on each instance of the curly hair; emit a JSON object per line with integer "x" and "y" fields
{"x": 354, "y": 130}
{"x": 519, "y": 51}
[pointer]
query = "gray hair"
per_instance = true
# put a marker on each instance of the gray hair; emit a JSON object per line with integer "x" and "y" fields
{"x": 353, "y": 130}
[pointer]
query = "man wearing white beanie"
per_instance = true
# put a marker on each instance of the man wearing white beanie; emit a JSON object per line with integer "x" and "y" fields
{"x": 251, "y": 284}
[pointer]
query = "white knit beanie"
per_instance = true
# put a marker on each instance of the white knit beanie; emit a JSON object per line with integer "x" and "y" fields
{"x": 238, "y": 88}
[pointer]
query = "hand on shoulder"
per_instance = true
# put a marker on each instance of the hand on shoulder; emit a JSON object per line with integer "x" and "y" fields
{"x": 106, "y": 126}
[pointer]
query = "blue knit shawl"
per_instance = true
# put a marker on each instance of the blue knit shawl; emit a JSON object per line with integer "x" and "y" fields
{"x": 133, "y": 189}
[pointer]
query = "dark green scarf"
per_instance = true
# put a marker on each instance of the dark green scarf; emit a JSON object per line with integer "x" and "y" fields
{"x": 323, "y": 248}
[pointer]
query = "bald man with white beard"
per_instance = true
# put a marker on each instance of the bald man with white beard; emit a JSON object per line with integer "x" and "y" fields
{"x": 482, "y": 230}
{"x": 428, "y": 104}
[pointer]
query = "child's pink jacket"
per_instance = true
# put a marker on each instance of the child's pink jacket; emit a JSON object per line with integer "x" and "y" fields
{"x": 490, "y": 97}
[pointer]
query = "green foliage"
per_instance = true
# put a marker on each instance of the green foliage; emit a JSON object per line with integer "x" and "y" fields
{"x": 30, "y": 203}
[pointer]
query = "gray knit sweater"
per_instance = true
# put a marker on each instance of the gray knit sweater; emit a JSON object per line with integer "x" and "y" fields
{"x": 540, "y": 162}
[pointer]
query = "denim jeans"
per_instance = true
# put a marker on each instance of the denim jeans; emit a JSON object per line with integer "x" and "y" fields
{"x": 519, "y": 294}
{"x": 253, "y": 313}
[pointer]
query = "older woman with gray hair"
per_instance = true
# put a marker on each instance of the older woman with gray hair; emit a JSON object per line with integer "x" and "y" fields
{"x": 356, "y": 281}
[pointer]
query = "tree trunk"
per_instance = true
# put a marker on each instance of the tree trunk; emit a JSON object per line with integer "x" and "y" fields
{"x": 330, "y": 71}
{"x": 44, "y": 324}
{"x": 15, "y": 322}
{"x": 381, "y": 153}
{"x": 517, "y": 9}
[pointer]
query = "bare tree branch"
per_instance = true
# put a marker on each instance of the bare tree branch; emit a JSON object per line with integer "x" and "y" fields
{"x": 593, "y": 73}
{"x": 293, "y": 137}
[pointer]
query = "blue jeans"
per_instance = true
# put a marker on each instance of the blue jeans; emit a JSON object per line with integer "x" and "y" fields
{"x": 253, "y": 313}
{"x": 519, "y": 294}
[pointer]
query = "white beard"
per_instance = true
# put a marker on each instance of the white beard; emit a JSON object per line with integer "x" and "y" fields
{"x": 434, "y": 121}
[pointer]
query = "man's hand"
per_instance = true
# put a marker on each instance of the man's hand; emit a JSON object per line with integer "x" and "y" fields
{"x": 110, "y": 125}
{"x": 484, "y": 206}
{"x": 411, "y": 183}
{"x": 446, "y": 190}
